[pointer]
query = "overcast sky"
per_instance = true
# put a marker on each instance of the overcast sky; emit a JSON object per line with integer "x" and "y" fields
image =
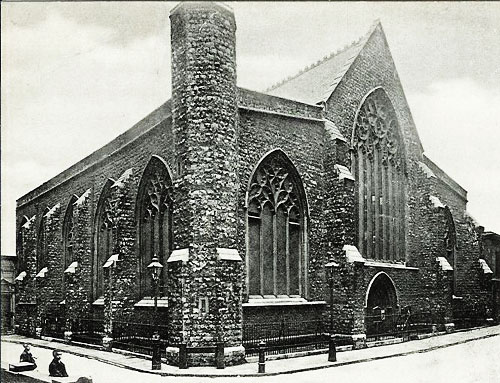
{"x": 75, "y": 75}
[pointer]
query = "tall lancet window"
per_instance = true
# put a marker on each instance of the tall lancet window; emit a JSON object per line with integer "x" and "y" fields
{"x": 276, "y": 227}
{"x": 21, "y": 260}
{"x": 450, "y": 240}
{"x": 155, "y": 222}
{"x": 378, "y": 165}
{"x": 68, "y": 233}
{"x": 105, "y": 225}
{"x": 41, "y": 248}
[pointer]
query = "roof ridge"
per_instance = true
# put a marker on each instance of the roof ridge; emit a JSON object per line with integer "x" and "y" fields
{"x": 362, "y": 39}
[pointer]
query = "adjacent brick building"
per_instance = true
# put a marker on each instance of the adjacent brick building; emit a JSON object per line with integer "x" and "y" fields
{"x": 311, "y": 202}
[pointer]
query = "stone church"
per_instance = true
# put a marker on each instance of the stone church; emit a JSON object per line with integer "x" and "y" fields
{"x": 313, "y": 201}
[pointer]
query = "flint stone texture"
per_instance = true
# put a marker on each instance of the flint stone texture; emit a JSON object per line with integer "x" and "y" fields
{"x": 212, "y": 136}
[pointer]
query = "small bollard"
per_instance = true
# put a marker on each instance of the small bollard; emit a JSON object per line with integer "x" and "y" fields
{"x": 219, "y": 356}
{"x": 107, "y": 343}
{"x": 262, "y": 357}
{"x": 183, "y": 356}
{"x": 67, "y": 336}
{"x": 332, "y": 349}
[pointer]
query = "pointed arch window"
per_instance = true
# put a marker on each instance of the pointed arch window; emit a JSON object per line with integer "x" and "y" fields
{"x": 68, "y": 233}
{"x": 276, "y": 227}
{"x": 105, "y": 227}
{"x": 450, "y": 240}
{"x": 21, "y": 260}
{"x": 42, "y": 249}
{"x": 154, "y": 218}
{"x": 378, "y": 164}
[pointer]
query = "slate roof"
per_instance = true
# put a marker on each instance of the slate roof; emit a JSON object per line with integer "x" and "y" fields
{"x": 143, "y": 126}
{"x": 316, "y": 83}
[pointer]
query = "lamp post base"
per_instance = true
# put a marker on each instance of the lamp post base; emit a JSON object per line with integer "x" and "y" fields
{"x": 156, "y": 359}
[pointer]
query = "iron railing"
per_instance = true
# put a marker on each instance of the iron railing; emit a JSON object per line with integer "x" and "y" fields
{"x": 53, "y": 326}
{"x": 285, "y": 336}
{"x": 469, "y": 318}
{"x": 88, "y": 330}
{"x": 26, "y": 329}
{"x": 138, "y": 337}
{"x": 400, "y": 325}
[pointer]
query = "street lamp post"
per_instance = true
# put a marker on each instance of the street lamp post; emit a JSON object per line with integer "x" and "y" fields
{"x": 155, "y": 268}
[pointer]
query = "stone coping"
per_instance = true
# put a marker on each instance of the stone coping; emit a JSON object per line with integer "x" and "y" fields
{"x": 390, "y": 265}
{"x": 227, "y": 350}
{"x": 279, "y": 113}
{"x": 98, "y": 302}
{"x": 259, "y": 302}
{"x": 150, "y": 302}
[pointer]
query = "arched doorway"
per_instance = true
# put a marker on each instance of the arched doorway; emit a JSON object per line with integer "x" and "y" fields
{"x": 381, "y": 305}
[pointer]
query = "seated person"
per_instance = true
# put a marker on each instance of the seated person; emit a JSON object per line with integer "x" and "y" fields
{"x": 26, "y": 356}
{"x": 56, "y": 367}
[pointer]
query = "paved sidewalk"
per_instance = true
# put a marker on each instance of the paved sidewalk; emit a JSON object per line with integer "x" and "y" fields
{"x": 273, "y": 367}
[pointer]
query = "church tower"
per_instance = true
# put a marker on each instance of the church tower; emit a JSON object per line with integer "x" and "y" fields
{"x": 205, "y": 268}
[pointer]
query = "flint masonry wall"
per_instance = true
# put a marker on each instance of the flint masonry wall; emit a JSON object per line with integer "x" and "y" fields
{"x": 49, "y": 289}
{"x": 92, "y": 173}
{"x": 205, "y": 128}
{"x": 212, "y": 136}
{"x": 77, "y": 295}
{"x": 436, "y": 286}
{"x": 25, "y": 299}
{"x": 491, "y": 246}
{"x": 302, "y": 140}
{"x": 373, "y": 68}
{"x": 472, "y": 287}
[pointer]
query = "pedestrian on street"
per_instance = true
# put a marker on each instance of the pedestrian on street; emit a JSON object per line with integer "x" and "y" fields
{"x": 57, "y": 367}
{"x": 26, "y": 356}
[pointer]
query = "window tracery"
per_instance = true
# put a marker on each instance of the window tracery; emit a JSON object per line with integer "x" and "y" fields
{"x": 105, "y": 230}
{"x": 378, "y": 165}
{"x": 155, "y": 221}
{"x": 450, "y": 235}
{"x": 68, "y": 233}
{"x": 276, "y": 220}
{"x": 42, "y": 249}
{"x": 21, "y": 260}
{"x": 450, "y": 241}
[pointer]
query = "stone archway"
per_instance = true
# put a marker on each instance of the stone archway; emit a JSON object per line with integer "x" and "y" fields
{"x": 381, "y": 304}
